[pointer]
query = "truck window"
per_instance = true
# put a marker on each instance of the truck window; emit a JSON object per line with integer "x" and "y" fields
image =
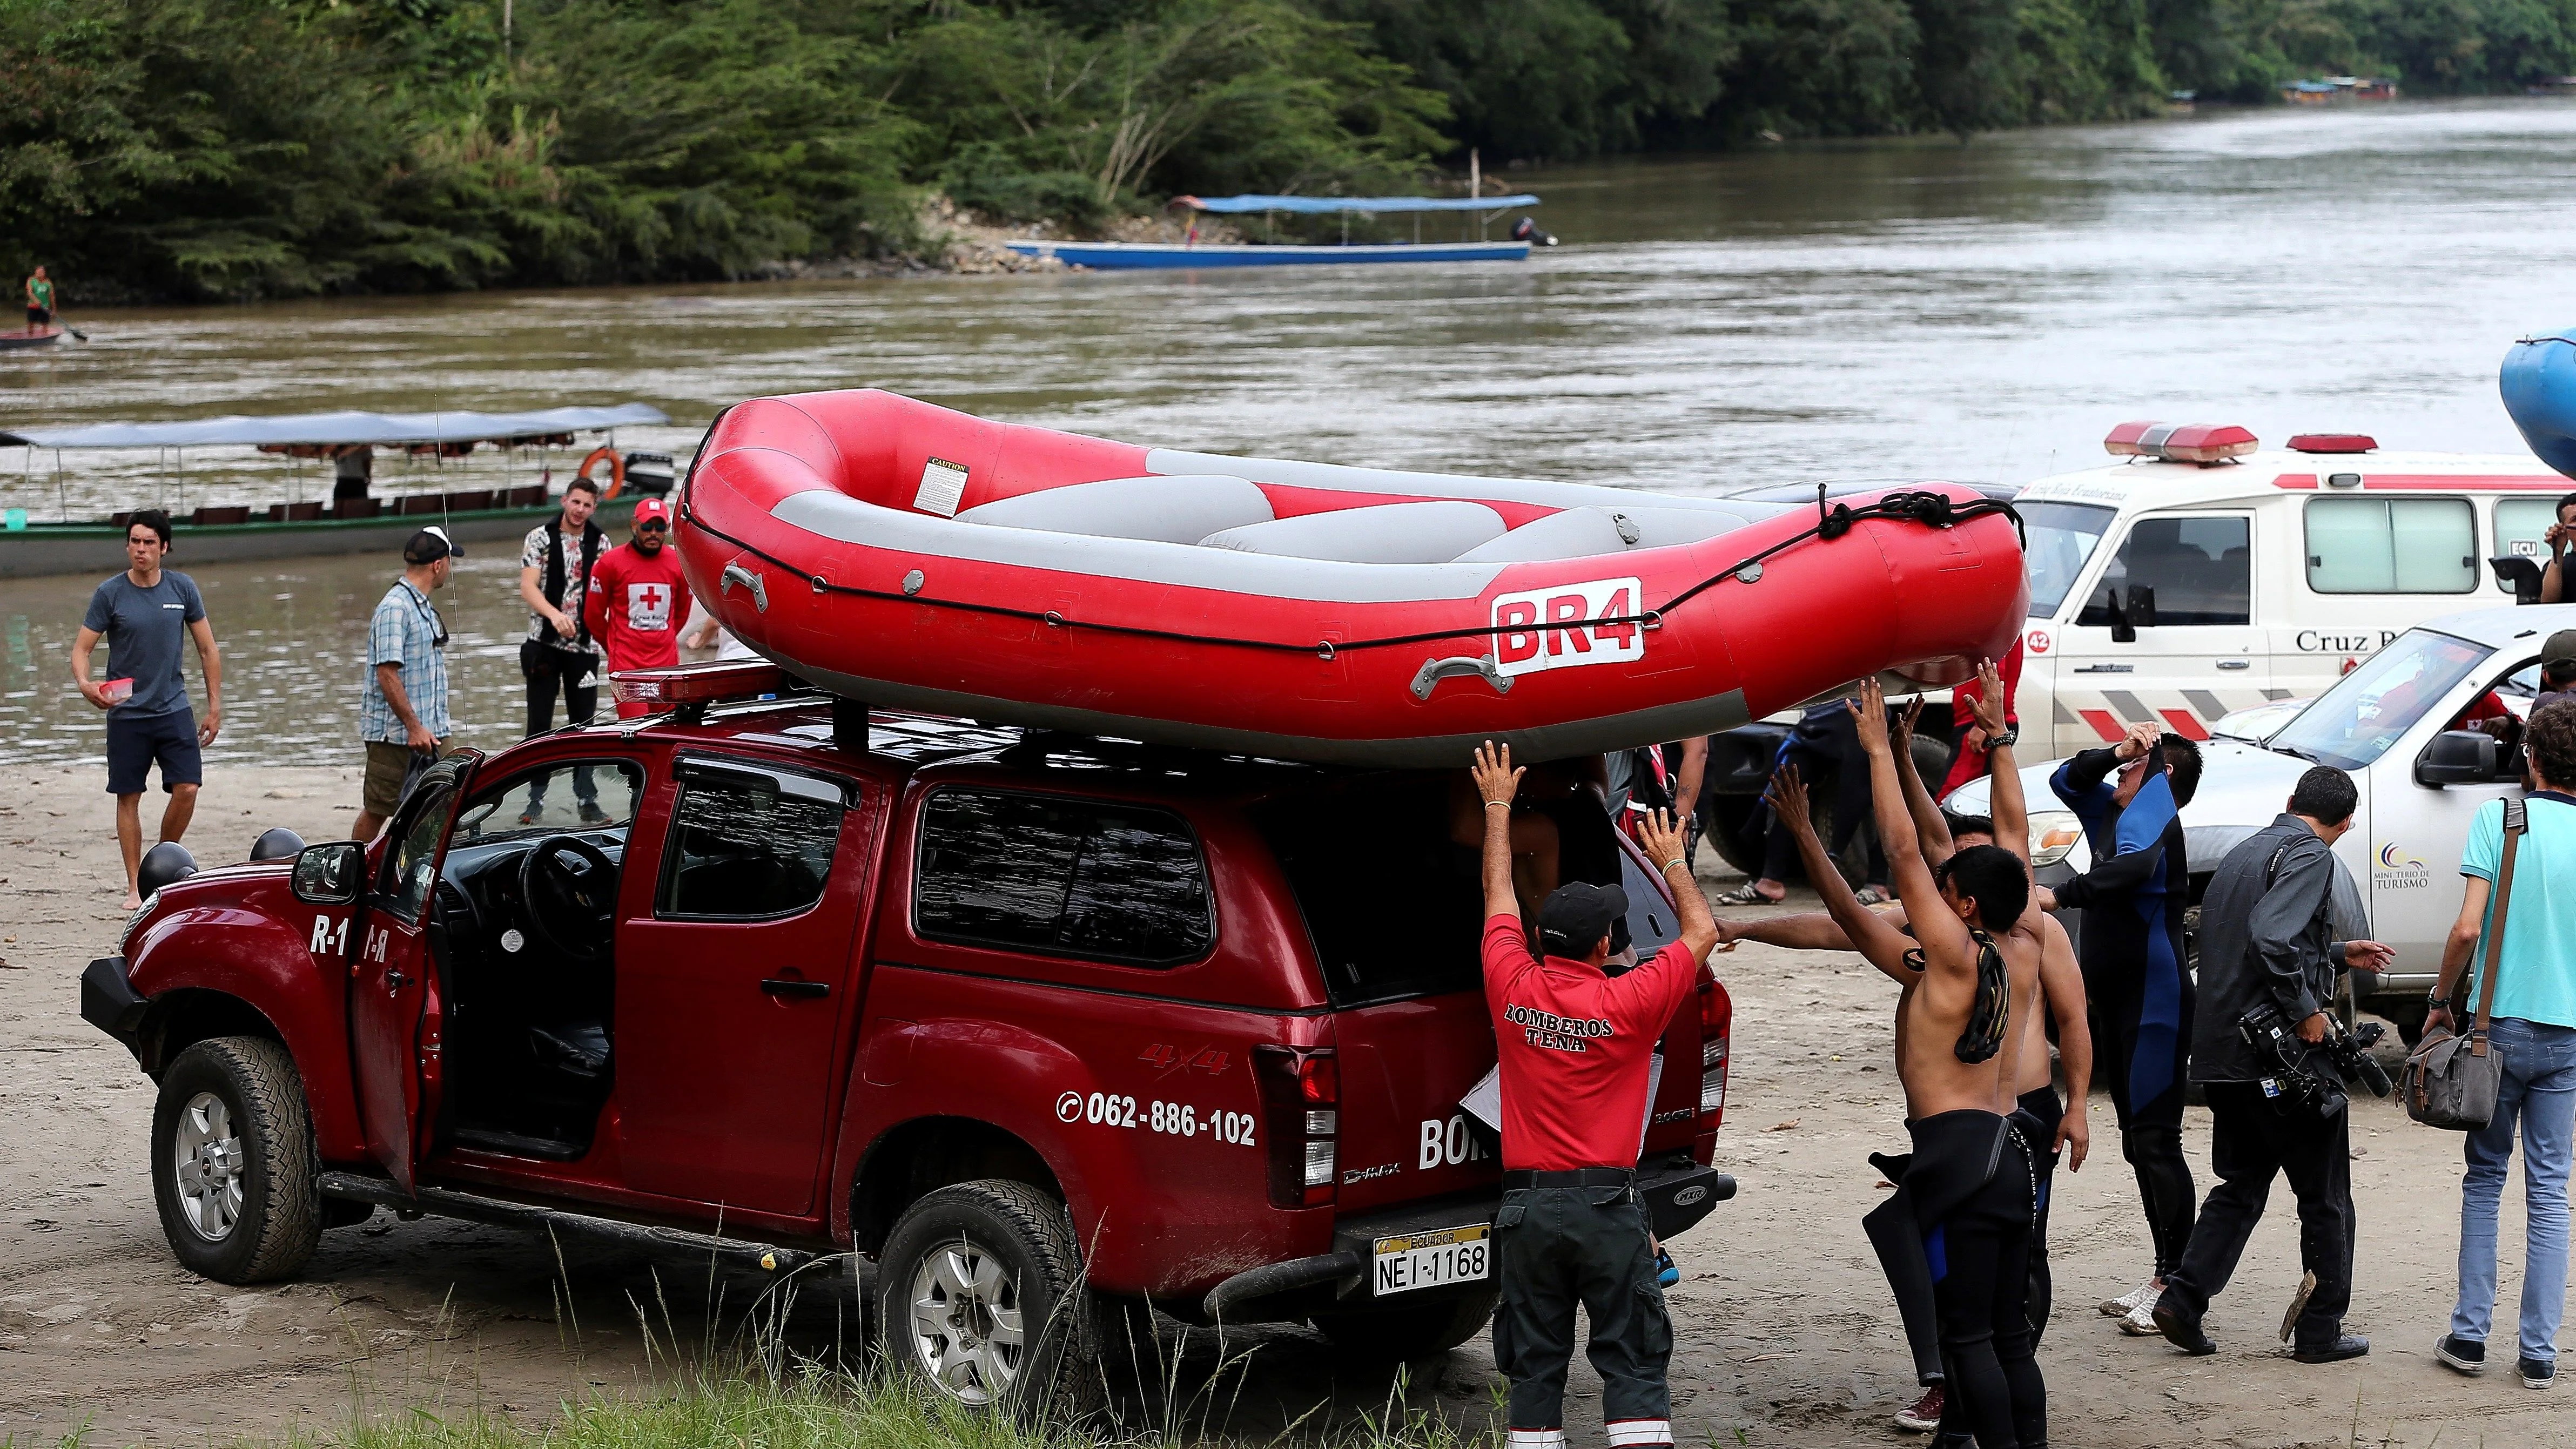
{"x": 2062, "y": 539}
{"x": 2522, "y": 527}
{"x": 412, "y": 867}
{"x": 2390, "y": 546}
{"x": 743, "y": 850}
{"x": 1082, "y": 878}
{"x": 1394, "y": 906}
{"x": 2353, "y": 724}
{"x": 2201, "y": 569}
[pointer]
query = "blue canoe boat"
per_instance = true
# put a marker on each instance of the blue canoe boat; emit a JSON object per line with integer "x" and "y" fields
{"x": 2539, "y": 387}
{"x": 1166, "y": 256}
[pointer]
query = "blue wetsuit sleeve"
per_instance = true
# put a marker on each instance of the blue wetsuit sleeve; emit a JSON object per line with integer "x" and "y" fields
{"x": 2137, "y": 846}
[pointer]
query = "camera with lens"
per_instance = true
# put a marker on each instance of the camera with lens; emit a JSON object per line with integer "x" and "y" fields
{"x": 2309, "y": 1078}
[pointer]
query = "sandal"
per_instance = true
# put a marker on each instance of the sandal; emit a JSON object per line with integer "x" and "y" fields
{"x": 1870, "y": 896}
{"x": 1745, "y": 895}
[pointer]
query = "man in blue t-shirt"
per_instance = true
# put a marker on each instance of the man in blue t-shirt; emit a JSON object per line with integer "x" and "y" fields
{"x": 2532, "y": 1030}
{"x": 142, "y": 614}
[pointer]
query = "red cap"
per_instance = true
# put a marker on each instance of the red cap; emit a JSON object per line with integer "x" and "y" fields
{"x": 652, "y": 508}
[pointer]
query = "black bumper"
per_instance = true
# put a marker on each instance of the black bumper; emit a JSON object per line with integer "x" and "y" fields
{"x": 109, "y": 1002}
{"x": 1676, "y": 1198}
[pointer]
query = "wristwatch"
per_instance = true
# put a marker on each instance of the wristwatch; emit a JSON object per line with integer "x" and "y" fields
{"x": 2010, "y": 736}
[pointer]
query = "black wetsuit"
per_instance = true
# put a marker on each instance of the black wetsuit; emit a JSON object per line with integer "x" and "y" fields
{"x": 1974, "y": 1187}
{"x": 2139, "y": 995}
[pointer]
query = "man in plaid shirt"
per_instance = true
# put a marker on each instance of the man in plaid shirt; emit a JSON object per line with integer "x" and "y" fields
{"x": 403, "y": 711}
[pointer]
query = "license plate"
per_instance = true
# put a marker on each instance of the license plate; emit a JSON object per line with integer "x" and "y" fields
{"x": 1433, "y": 1259}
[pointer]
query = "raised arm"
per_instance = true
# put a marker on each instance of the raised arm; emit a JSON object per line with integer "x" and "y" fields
{"x": 1929, "y": 827}
{"x": 1935, "y": 925}
{"x": 1496, "y": 783}
{"x": 1662, "y": 840}
{"x": 2011, "y": 813}
{"x": 1863, "y": 930}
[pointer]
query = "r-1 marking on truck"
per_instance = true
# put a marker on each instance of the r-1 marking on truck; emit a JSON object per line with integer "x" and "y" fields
{"x": 330, "y": 938}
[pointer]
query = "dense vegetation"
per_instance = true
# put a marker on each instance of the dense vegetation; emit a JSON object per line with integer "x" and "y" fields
{"x": 217, "y": 148}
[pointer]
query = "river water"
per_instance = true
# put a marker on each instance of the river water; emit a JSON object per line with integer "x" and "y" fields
{"x": 1885, "y": 310}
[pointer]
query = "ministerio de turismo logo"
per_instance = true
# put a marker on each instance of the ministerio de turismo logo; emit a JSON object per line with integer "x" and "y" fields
{"x": 2399, "y": 871}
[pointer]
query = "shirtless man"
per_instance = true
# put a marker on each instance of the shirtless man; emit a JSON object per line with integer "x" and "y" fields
{"x": 2062, "y": 990}
{"x": 1973, "y": 1177}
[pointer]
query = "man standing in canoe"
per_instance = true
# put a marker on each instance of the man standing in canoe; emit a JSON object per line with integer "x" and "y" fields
{"x": 40, "y": 302}
{"x": 638, "y": 600}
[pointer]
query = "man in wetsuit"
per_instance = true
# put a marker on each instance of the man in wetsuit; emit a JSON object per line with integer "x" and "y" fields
{"x": 1575, "y": 1045}
{"x": 2134, "y": 976}
{"x": 1973, "y": 1176}
{"x": 1890, "y": 1225}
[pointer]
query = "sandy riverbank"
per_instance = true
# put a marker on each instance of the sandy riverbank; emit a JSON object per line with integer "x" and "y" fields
{"x": 1785, "y": 1333}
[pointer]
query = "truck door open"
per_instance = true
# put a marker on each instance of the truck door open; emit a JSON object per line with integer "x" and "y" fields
{"x": 396, "y": 1005}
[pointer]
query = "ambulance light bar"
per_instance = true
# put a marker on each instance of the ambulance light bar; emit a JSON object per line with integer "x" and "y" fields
{"x": 2203, "y": 443}
{"x": 700, "y": 683}
{"x": 2333, "y": 443}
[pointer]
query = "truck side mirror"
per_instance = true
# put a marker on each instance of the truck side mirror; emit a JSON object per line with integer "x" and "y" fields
{"x": 328, "y": 874}
{"x": 2522, "y": 575}
{"x": 2457, "y": 757}
{"x": 2142, "y": 606}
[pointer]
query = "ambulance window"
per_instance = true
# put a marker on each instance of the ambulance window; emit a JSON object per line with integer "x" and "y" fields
{"x": 1082, "y": 878}
{"x": 2200, "y": 567}
{"x": 2392, "y": 546}
{"x": 2522, "y": 527}
{"x": 2062, "y": 539}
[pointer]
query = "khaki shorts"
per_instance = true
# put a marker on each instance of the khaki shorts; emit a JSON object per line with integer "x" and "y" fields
{"x": 387, "y": 764}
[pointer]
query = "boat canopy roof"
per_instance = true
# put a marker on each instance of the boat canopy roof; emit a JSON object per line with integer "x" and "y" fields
{"x": 340, "y": 429}
{"x": 1329, "y": 204}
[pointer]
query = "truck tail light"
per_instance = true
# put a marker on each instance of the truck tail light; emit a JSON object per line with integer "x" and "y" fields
{"x": 1301, "y": 1094}
{"x": 1716, "y": 1022}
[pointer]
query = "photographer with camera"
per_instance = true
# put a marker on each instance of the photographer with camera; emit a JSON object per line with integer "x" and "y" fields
{"x": 2267, "y": 970}
{"x": 2529, "y": 1013}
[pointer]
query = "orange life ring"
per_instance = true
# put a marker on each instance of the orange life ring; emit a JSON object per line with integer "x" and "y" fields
{"x": 616, "y": 471}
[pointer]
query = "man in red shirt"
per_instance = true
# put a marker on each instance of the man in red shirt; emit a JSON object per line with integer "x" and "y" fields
{"x": 1575, "y": 1046}
{"x": 638, "y": 600}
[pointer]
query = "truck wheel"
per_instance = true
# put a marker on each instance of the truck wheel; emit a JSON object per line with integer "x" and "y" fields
{"x": 2406, "y": 1016}
{"x": 232, "y": 1161}
{"x": 1728, "y": 818}
{"x": 980, "y": 1296}
{"x": 1391, "y": 1335}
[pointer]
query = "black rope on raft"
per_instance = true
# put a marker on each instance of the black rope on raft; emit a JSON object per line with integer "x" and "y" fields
{"x": 1935, "y": 510}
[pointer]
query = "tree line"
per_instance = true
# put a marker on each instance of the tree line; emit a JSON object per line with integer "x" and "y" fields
{"x": 237, "y": 148}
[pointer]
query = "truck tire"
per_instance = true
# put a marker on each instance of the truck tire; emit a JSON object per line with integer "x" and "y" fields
{"x": 233, "y": 1168}
{"x": 1395, "y": 1335}
{"x": 980, "y": 1297}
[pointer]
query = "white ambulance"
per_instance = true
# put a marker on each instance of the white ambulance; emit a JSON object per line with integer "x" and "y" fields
{"x": 2201, "y": 575}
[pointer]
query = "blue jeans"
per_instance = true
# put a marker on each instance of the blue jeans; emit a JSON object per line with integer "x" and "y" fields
{"x": 2539, "y": 1088}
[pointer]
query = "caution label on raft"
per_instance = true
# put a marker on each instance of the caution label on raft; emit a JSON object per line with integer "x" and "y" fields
{"x": 1523, "y": 646}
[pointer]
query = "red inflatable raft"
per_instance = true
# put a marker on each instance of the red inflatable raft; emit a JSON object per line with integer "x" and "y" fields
{"x": 913, "y": 557}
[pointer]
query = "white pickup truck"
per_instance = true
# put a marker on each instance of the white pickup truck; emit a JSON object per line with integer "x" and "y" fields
{"x": 2392, "y": 723}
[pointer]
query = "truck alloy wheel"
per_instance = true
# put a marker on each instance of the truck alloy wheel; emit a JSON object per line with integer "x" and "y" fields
{"x": 232, "y": 1161}
{"x": 981, "y": 1297}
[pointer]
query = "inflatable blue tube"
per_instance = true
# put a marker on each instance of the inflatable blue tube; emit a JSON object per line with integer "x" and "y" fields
{"x": 2539, "y": 387}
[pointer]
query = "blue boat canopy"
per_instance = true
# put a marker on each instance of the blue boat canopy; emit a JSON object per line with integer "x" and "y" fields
{"x": 1325, "y": 205}
{"x": 342, "y": 429}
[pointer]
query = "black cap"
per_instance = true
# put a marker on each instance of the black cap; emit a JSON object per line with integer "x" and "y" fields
{"x": 1574, "y": 916}
{"x": 2558, "y": 656}
{"x": 429, "y": 546}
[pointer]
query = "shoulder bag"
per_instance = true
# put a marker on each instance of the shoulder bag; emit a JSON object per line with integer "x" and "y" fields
{"x": 2451, "y": 1080}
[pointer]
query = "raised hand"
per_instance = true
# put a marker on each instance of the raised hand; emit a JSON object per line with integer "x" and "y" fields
{"x": 2140, "y": 739}
{"x": 1495, "y": 778}
{"x": 1869, "y": 716}
{"x": 1902, "y": 739}
{"x": 1992, "y": 705}
{"x": 1788, "y": 796}
{"x": 1661, "y": 839}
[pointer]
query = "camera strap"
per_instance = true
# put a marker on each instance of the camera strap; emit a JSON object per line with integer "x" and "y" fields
{"x": 2517, "y": 818}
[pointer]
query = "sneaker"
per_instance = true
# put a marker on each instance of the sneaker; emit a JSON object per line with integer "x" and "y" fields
{"x": 1924, "y": 1414}
{"x": 2144, "y": 1295}
{"x": 591, "y": 814}
{"x": 2463, "y": 1354}
{"x": 2140, "y": 1322}
{"x": 2298, "y": 1304}
{"x": 2537, "y": 1375}
{"x": 530, "y": 815}
{"x": 2181, "y": 1326}
{"x": 2351, "y": 1345}
{"x": 1665, "y": 1273}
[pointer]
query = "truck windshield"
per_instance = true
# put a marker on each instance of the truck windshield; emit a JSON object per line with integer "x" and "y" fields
{"x": 2062, "y": 539}
{"x": 2354, "y": 723}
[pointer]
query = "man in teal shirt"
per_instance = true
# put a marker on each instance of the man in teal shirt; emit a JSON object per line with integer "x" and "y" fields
{"x": 2533, "y": 1030}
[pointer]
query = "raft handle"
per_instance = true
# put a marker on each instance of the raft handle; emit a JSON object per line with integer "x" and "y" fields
{"x": 735, "y": 573}
{"x": 1482, "y": 665}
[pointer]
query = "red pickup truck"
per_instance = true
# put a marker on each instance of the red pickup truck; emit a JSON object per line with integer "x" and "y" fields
{"x": 1044, "y": 1027}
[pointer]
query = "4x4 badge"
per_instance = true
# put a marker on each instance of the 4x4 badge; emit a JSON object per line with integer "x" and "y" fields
{"x": 1164, "y": 1058}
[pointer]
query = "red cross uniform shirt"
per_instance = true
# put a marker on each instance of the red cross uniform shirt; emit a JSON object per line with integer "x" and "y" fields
{"x": 1575, "y": 1046}
{"x": 636, "y": 607}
